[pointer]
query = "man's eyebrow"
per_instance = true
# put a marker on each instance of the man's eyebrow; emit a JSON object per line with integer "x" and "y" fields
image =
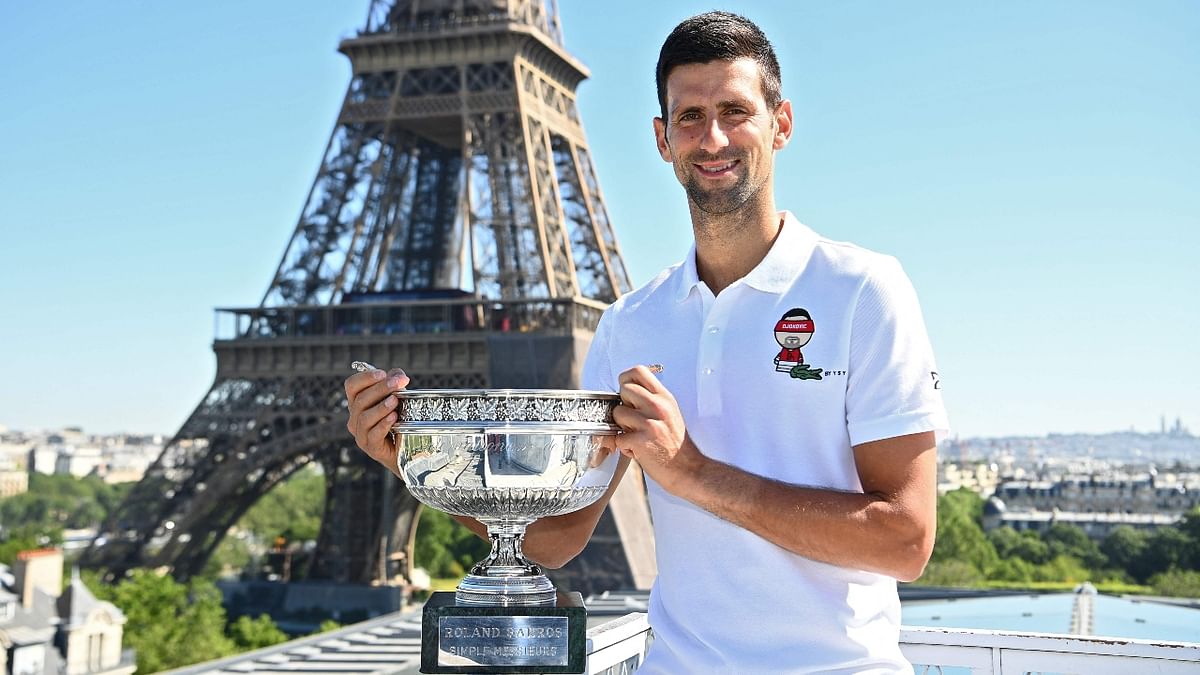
{"x": 735, "y": 103}
{"x": 723, "y": 105}
{"x": 677, "y": 108}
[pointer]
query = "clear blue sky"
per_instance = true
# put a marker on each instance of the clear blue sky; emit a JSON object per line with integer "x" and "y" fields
{"x": 1035, "y": 165}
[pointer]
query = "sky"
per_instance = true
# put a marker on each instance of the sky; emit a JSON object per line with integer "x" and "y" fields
{"x": 1034, "y": 165}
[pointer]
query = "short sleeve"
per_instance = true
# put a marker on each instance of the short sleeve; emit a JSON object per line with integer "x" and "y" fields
{"x": 597, "y": 367}
{"x": 893, "y": 387}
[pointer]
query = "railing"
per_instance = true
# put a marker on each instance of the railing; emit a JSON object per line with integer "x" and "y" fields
{"x": 408, "y": 317}
{"x": 618, "y": 647}
{"x": 978, "y": 652}
{"x": 524, "y": 12}
{"x": 986, "y": 652}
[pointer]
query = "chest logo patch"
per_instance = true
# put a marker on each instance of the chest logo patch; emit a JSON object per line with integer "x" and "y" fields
{"x": 793, "y": 331}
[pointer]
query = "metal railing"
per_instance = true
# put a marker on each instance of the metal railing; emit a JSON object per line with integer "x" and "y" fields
{"x": 978, "y": 652}
{"x": 987, "y": 652}
{"x": 408, "y": 317}
{"x": 618, "y": 647}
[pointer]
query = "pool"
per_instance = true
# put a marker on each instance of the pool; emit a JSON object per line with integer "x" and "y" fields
{"x": 1051, "y": 613}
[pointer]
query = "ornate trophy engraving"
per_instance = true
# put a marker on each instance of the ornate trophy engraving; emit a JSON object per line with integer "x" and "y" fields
{"x": 505, "y": 457}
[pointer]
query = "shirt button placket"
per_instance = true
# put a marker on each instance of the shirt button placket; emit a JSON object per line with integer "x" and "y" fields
{"x": 709, "y": 363}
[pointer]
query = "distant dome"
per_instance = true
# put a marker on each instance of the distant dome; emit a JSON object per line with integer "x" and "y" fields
{"x": 994, "y": 506}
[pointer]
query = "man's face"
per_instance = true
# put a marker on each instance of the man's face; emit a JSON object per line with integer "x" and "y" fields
{"x": 719, "y": 134}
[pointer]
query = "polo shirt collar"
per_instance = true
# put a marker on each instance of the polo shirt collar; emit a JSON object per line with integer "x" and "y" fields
{"x": 784, "y": 261}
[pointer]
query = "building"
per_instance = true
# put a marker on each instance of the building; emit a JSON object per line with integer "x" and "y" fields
{"x": 1097, "y": 525}
{"x": 45, "y": 628}
{"x": 1097, "y": 502}
{"x": 13, "y": 482}
{"x": 979, "y": 477}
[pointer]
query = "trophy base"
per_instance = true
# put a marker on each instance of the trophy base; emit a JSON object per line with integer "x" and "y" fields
{"x": 475, "y": 639}
{"x": 477, "y": 590}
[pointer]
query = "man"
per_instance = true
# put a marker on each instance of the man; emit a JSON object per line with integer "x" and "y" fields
{"x": 785, "y": 505}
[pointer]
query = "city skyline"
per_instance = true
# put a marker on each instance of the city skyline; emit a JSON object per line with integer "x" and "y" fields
{"x": 1033, "y": 167}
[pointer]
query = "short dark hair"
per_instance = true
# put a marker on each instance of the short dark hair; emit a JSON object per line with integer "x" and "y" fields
{"x": 718, "y": 36}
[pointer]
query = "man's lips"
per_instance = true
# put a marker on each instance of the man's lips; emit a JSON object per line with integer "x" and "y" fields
{"x": 716, "y": 169}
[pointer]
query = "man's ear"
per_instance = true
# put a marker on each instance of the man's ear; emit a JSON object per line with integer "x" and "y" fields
{"x": 783, "y": 124}
{"x": 660, "y": 137}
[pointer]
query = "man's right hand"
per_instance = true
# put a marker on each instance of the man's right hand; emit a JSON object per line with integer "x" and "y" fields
{"x": 373, "y": 412}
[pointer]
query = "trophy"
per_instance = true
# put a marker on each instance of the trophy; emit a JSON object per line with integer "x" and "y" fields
{"x": 505, "y": 457}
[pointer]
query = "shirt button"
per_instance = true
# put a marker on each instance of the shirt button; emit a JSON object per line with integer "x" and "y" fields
{"x": 714, "y": 329}
{"x": 708, "y": 371}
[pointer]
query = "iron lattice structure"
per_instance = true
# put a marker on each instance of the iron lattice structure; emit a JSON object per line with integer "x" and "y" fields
{"x": 456, "y": 226}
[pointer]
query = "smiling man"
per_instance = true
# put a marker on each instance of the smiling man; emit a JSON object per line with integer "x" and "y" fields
{"x": 786, "y": 501}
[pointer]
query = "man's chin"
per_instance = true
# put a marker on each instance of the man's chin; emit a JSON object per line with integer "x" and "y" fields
{"x": 716, "y": 203}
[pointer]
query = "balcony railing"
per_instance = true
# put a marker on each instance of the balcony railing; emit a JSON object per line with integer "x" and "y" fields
{"x": 978, "y": 652}
{"x": 986, "y": 652}
{"x": 408, "y": 317}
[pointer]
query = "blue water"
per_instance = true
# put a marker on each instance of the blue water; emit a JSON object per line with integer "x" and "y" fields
{"x": 1038, "y": 613}
{"x": 1051, "y": 613}
{"x": 1139, "y": 619}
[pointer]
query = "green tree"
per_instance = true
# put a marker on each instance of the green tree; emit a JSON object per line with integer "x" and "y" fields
{"x": 1167, "y": 547}
{"x": 1177, "y": 583}
{"x": 953, "y": 573}
{"x": 1190, "y": 527}
{"x": 62, "y": 501}
{"x": 27, "y": 538}
{"x": 250, "y": 634}
{"x": 960, "y": 536}
{"x": 1062, "y": 568}
{"x": 1027, "y": 545}
{"x": 1012, "y": 569}
{"x": 231, "y": 556}
{"x": 1123, "y": 546}
{"x": 444, "y": 547}
{"x": 1071, "y": 540}
{"x": 169, "y": 624}
{"x": 292, "y": 510}
{"x": 326, "y": 626}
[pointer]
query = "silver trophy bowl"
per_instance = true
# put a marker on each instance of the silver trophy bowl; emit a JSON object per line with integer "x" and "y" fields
{"x": 506, "y": 457}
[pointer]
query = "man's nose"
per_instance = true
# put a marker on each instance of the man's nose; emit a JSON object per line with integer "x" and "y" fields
{"x": 714, "y": 139}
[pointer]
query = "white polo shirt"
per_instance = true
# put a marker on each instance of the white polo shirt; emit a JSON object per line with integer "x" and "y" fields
{"x": 725, "y": 599}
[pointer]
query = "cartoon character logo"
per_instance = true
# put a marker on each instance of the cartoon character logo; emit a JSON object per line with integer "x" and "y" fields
{"x": 792, "y": 332}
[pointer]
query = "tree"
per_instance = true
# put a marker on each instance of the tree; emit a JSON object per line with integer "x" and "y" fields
{"x": 292, "y": 510}
{"x": 326, "y": 626}
{"x": 169, "y": 624}
{"x": 959, "y": 534}
{"x": 1027, "y": 545}
{"x": 1123, "y": 546}
{"x": 1177, "y": 583}
{"x": 951, "y": 573}
{"x": 444, "y": 547}
{"x": 1062, "y": 568}
{"x": 27, "y": 538}
{"x": 1168, "y": 547}
{"x": 1071, "y": 540}
{"x": 250, "y": 634}
{"x": 1190, "y": 527}
{"x": 1012, "y": 569}
{"x": 62, "y": 501}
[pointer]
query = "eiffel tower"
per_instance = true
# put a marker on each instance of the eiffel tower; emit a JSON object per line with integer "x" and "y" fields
{"x": 455, "y": 227}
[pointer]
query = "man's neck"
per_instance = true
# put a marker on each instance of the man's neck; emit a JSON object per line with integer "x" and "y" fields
{"x": 729, "y": 245}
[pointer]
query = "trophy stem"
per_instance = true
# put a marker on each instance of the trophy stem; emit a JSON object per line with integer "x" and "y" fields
{"x": 506, "y": 578}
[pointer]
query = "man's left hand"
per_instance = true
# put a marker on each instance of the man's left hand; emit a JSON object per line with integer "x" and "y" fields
{"x": 655, "y": 434}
